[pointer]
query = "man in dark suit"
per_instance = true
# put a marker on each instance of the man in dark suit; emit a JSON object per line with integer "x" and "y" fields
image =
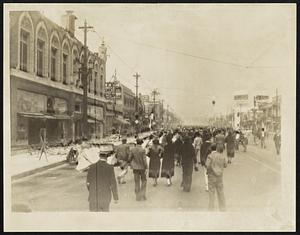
{"x": 101, "y": 183}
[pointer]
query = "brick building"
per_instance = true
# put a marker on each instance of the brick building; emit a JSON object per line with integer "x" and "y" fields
{"x": 45, "y": 80}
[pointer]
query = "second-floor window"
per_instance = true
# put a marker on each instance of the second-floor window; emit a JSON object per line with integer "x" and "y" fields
{"x": 53, "y": 63}
{"x": 65, "y": 61}
{"x": 95, "y": 83}
{"x": 40, "y": 57}
{"x": 24, "y": 53}
{"x": 101, "y": 85}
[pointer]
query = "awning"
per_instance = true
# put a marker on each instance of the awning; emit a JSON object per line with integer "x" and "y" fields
{"x": 44, "y": 116}
{"x": 122, "y": 121}
{"x": 92, "y": 119}
{"x": 61, "y": 116}
{"x": 36, "y": 115}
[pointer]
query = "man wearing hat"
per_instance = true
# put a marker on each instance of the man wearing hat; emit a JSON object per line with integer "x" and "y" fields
{"x": 122, "y": 154}
{"x": 101, "y": 183}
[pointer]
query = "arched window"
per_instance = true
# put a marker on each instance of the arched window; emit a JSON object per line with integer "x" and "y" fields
{"x": 96, "y": 78}
{"x": 54, "y": 57}
{"x": 26, "y": 43}
{"x": 41, "y": 50}
{"x": 65, "y": 62}
{"x": 75, "y": 65}
{"x": 102, "y": 82}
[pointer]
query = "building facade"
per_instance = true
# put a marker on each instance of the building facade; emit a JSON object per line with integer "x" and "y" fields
{"x": 45, "y": 80}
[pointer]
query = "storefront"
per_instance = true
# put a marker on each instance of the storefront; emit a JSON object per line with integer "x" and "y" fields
{"x": 36, "y": 111}
{"x": 95, "y": 122}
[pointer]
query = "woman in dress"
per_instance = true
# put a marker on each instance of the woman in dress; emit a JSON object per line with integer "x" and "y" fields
{"x": 168, "y": 160}
{"x": 230, "y": 145}
{"x": 155, "y": 153}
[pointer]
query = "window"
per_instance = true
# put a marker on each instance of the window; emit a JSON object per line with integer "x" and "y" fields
{"x": 77, "y": 107}
{"x": 24, "y": 46}
{"x": 95, "y": 83}
{"x": 65, "y": 63}
{"x": 101, "y": 84}
{"x": 53, "y": 63}
{"x": 40, "y": 57}
{"x": 65, "y": 60}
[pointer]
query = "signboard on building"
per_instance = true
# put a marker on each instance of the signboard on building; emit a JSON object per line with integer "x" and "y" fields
{"x": 95, "y": 111}
{"x": 109, "y": 90}
{"x": 262, "y": 98}
{"x": 118, "y": 92}
{"x": 145, "y": 98}
{"x": 241, "y": 97}
{"x": 113, "y": 90}
{"x": 60, "y": 106}
{"x": 31, "y": 102}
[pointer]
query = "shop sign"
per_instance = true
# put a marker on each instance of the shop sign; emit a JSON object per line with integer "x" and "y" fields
{"x": 145, "y": 98}
{"x": 95, "y": 111}
{"x": 118, "y": 92}
{"x": 109, "y": 90}
{"x": 31, "y": 102}
{"x": 60, "y": 106}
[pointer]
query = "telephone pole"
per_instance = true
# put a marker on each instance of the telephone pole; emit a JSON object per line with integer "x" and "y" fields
{"x": 154, "y": 94}
{"x": 114, "y": 91}
{"x": 84, "y": 81}
{"x": 136, "y": 75}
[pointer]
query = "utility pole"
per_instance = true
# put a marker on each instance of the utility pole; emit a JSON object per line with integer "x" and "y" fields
{"x": 84, "y": 78}
{"x": 162, "y": 115}
{"x": 167, "y": 115}
{"x": 136, "y": 75}
{"x": 154, "y": 94}
{"x": 277, "y": 107}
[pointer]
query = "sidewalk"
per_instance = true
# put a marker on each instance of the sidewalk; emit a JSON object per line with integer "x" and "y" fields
{"x": 26, "y": 163}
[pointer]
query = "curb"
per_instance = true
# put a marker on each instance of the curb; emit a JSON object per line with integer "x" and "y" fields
{"x": 40, "y": 169}
{"x": 37, "y": 170}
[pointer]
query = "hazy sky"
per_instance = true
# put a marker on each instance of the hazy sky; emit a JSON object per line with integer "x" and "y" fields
{"x": 239, "y": 35}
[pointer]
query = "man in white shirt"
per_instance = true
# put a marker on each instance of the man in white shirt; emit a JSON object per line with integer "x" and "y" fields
{"x": 197, "y": 145}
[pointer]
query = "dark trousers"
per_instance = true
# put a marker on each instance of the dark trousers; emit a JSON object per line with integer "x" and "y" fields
{"x": 103, "y": 207}
{"x": 215, "y": 183}
{"x": 277, "y": 146}
{"x": 187, "y": 172}
{"x": 140, "y": 181}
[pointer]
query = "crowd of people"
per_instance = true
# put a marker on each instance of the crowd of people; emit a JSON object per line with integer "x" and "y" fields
{"x": 191, "y": 149}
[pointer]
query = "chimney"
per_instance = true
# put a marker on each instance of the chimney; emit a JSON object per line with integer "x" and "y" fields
{"x": 68, "y": 22}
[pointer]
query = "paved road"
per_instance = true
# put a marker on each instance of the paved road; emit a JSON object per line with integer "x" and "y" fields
{"x": 251, "y": 182}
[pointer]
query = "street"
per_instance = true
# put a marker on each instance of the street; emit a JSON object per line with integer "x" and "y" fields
{"x": 251, "y": 182}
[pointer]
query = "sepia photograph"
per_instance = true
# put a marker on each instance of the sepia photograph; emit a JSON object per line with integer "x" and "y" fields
{"x": 149, "y": 117}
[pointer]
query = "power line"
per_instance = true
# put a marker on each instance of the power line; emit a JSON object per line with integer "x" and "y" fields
{"x": 201, "y": 57}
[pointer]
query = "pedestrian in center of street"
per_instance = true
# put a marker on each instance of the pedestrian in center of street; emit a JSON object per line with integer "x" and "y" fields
{"x": 188, "y": 161}
{"x": 263, "y": 138}
{"x": 230, "y": 145}
{"x": 197, "y": 145}
{"x": 155, "y": 154}
{"x": 101, "y": 184}
{"x": 138, "y": 161}
{"x": 215, "y": 163}
{"x": 205, "y": 151}
{"x": 122, "y": 155}
{"x": 167, "y": 170}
